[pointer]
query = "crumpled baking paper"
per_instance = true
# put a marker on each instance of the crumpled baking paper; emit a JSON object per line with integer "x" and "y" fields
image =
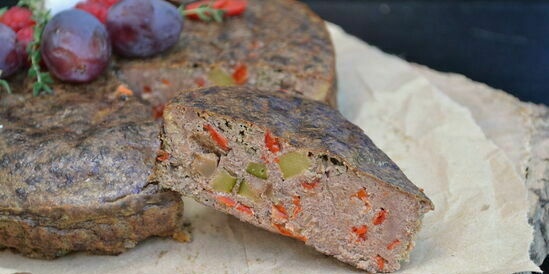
{"x": 479, "y": 224}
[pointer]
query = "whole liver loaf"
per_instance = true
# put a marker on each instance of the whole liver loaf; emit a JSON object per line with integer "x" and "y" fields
{"x": 295, "y": 167}
{"x": 74, "y": 169}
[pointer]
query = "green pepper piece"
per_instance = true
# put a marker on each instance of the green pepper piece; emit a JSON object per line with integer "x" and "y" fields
{"x": 246, "y": 190}
{"x": 257, "y": 170}
{"x": 293, "y": 163}
{"x": 223, "y": 182}
{"x": 220, "y": 78}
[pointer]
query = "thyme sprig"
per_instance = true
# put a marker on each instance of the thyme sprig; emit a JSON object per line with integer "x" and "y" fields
{"x": 4, "y": 84}
{"x": 205, "y": 12}
{"x": 41, "y": 17}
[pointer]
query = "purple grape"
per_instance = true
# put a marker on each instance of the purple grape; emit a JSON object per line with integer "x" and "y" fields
{"x": 143, "y": 28}
{"x": 75, "y": 46}
{"x": 10, "y": 57}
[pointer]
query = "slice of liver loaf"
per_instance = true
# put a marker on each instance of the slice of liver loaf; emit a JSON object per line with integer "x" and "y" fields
{"x": 295, "y": 167}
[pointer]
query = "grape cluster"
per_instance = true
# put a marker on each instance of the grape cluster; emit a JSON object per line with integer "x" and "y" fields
{"x": 76, "y": 43}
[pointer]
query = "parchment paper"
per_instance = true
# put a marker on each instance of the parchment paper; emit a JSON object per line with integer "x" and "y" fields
{"x": 479, "y": 225}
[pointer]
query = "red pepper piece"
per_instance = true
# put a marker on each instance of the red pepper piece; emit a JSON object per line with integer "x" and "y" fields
{"x": 24, "y": 37}
{"x": 147, "y": 89}
{"x": 361, "y": 232}
{"x": 363, "y": 196}
{"x": 230, "y": 7}
{"x": 162, "y": 156}
{"x": 107, "y": 3}
{"x": 380, "y": 217}
{"x": 380, "y": 263}
{"x": 17, "y": 18}
{"x": 240, "y": 74}
{"x": 166, "y": 82}
{"x": 226, "y": 201}
{"x": 244, "y": 209}
{"x": 271, "y": 142}
{"x": 234, "y": 7}
{"x": 393, "y": 244}
{"x": 280, "y": 211}
{"x": 158, "y": 111}
{"x": 200, "y": 81}
{"x": 286, "y": 232}
{"x": 297, "y": 205}
{"x": 311, "y": 185}
{"x": 217, "y": 137}
{"x": 97, "y": 9}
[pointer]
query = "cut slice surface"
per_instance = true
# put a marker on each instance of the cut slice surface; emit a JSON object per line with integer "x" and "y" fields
{"x": 325, "y": 184}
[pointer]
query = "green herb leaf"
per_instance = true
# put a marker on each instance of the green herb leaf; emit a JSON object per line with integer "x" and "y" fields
{"x": 42, "y": 79}
{"x": 4, "y": 84}
{"x": 33, "y": 5}
{"x": 3, "y": 10}
{"x": 205, "y": 13}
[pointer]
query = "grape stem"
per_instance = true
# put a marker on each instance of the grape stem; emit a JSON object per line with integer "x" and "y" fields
{"x": 41, "y": 17}
{"x": 205, "y": 13}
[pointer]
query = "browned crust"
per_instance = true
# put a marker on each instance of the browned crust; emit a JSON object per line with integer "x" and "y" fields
{"x": 136, "y": 218}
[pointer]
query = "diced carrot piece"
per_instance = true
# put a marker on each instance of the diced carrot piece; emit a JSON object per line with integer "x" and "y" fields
{"x": 310, "y": 185}
{"x": 124, "y": 90}
{"x": 361, "y": 232}
{"x": 240, "y": 74}
{"x": 244, "y": 209}
{"x": 162, "y": 156}
{"x": 380, "y": 263}
{"x": 166, "y": 82}
{"x": 393, "y": 244}
{"x": 361, "y": 194}
{"x": 380, "y": 217}
{"x": 226, "y": 201}
{"x": 297, "y": 204}
{"x": 271, "y": 142}
{"x": 217, "y": 137}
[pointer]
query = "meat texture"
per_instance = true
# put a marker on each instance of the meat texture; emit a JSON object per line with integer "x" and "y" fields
{"x": 292, "y": 166}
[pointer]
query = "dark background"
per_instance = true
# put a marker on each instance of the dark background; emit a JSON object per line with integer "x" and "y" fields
{"x": 504, "y": 44}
